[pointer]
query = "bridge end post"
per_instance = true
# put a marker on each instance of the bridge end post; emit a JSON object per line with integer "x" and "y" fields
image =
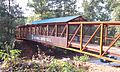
{"x": 81, "y": 36}
{"x": 101, "y": 39}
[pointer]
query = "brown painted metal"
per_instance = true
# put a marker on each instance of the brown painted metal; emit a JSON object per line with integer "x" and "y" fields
{"x": 112, "y": 43}
{"x": 74, "y": 32}
{"x": 56, "y": 30}
{"x": 81, "y": 37}
{"x": 47, "y": 30}
{"x": 50, "y": 40}
{"x": 62, "y": 37}
{"x": 67, "y": 34}
{"x": 101, "y": 39}
{"x": 106, "y": 34}
{"x": 91, "y": 37}
{"x": 43, "y": 30}
{"x": 74, "y": 35}
{"x": 95, "y": 48}
{"x": 40, "y": 30}
{"x": 52, "y": 31}
{"x": 63, "y": 31}
{"x": 31, "y": 29}
{"x": 97, "y": 23}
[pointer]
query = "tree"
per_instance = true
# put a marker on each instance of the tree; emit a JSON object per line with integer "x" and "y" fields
{"x": 114, "y": 9}
{"x": 115, "y": 15}
{"x": 114, "y": 6}
{"x": 40, "y": 7}
{"x": 96, "y": 10}
{"x": 9, "y": 16}
{"x": 33, "y": 18}
{"x": 63, "y": 7}
{"x": 54, "y": 8}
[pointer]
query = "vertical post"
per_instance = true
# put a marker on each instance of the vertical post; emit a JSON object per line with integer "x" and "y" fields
{"x": 67, "y": 34}
{"x": 27, "y": 31}
{"x": 40, "y": 30}
{"x": 56, "y": 28}
{"x": 20, "y": 33}
{"x": 106, "y": 34}
{"x": 47, "y": 30}
{"x": 24, "y": 30}
{"x": 31, "y": 30}
{"x": 81, "y": 36}
{"x": 35, "y": 29}
{"x": 17, "y": 32}
{"x": 101, "y": 39}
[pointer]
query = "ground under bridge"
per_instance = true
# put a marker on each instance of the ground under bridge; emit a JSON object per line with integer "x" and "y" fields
{"x": 75, "y": 33}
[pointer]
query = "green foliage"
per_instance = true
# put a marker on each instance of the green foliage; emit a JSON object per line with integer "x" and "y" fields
{"x": 101, "y": 10}
{"x": 114, "y": 7}
{"x": 81, "y": 58}
{"x": 10, "y": 17}
{"x": 95, "y": 10}
{"x": 54, "y": 8}
{"x": 59, "y": 66}
{"x": 20, "y": 65}
{"x": 118, "y": 43}
{"x": 12, "y": 54}
{"x": 33, "y": 18}
{"x": 26, "y": 67}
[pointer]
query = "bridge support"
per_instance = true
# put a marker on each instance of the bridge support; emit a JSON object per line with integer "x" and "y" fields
{"x": 101, "y": 39}
{"x": 81, "y": 37}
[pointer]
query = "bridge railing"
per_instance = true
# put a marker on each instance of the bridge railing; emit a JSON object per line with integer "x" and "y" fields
{"x": 100, "y": 33}
{"x": 74, "y": 34}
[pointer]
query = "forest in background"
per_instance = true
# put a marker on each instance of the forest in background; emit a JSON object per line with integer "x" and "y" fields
{"x": 11, "y": 14}
{"x": 93, "y": 10}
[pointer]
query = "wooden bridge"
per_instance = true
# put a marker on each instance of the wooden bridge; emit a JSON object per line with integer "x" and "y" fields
{"x": 74, "y": 33}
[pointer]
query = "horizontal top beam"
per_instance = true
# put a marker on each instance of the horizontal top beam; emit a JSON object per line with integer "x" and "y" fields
{"x": 87, "y": 23}
{"x": 44, "y": 24}
{"x": 98, "y": 23}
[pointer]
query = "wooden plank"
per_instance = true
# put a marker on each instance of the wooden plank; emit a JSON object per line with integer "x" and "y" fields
{"x": 96, "y": 48}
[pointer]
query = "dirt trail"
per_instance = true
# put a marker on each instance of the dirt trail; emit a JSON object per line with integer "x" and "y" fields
{"x": 99, "y": 68}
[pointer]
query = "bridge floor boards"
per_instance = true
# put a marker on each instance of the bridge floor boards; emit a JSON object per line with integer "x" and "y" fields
{"x": 96, "y": 48}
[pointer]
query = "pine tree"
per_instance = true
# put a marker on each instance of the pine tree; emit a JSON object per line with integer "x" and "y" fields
{"x": 54, "y": 8}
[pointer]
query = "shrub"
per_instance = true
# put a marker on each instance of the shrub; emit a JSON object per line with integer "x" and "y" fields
{"x": 12, "y": 54}
{"x": 60, "y": 66}
{"x": 19, "y": 65}
{"x": 81, "y": 58}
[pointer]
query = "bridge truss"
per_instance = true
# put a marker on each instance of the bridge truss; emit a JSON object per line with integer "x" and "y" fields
{"x": 92, "y": 38}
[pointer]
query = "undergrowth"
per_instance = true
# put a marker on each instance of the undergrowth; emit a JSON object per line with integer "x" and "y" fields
{"x": 83, "y": 58}
{"x": 61, "y": 66}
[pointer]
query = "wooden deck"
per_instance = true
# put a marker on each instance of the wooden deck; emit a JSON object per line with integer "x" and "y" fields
{"x": 96, "y": 48}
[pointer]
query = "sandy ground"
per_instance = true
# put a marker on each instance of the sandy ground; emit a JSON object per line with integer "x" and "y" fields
{"x": 99, "y": 68}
